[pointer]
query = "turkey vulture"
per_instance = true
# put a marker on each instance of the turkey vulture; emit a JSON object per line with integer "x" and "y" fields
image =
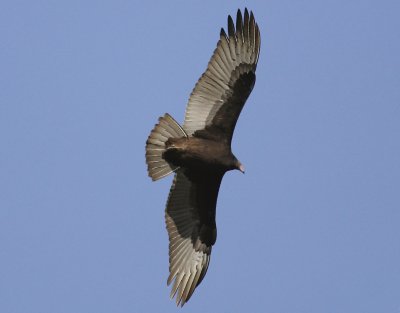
{"x": 199, "y": 152}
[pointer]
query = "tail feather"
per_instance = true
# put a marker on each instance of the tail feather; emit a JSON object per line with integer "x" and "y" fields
{"x": 166, "y": 128}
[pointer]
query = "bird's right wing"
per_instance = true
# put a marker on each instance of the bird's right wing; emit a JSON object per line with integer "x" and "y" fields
{"x": 190, "y": 219}
{"x": 218, "y": 98}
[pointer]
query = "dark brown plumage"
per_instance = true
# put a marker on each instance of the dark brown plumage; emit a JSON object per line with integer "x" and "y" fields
{"x": 199, "y": 152}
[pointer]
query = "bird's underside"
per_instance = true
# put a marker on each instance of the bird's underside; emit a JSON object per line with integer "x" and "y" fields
{"x": 199, "y": 155}
{"x": 199, "y": 152}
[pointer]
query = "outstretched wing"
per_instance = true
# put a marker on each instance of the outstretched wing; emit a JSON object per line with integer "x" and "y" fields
{"x": 190, "y": 219}
{"x": 221, "y": 92}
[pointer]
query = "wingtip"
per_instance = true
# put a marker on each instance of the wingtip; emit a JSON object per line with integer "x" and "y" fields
{"x": 238, "y": 15}
{"x": 223, "y": 34}
{"x": 231, "y": 27}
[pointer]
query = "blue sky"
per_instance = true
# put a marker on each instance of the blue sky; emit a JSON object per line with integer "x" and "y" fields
{"x": 313, "y": 225}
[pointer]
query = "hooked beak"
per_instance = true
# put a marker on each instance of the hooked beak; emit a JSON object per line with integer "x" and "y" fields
{"x": 241, "y": 168}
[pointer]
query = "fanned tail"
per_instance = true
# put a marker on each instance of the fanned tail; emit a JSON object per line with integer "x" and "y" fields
{"x": 166, "y": 128}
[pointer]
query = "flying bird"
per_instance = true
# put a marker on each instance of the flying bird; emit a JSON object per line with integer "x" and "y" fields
{"x": 199, "y": 152}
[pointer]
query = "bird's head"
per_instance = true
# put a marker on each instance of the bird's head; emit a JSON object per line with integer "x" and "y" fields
{"x": 239, "y": 166}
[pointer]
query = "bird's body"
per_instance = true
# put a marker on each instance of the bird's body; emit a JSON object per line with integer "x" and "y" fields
{"x": 199, "y": 152}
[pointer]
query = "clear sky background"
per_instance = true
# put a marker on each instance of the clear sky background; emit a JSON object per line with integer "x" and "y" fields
{"x": 313, "y": 225}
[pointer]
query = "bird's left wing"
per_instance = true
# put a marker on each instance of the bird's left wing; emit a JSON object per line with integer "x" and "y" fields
{"x": 190, "y": 219}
